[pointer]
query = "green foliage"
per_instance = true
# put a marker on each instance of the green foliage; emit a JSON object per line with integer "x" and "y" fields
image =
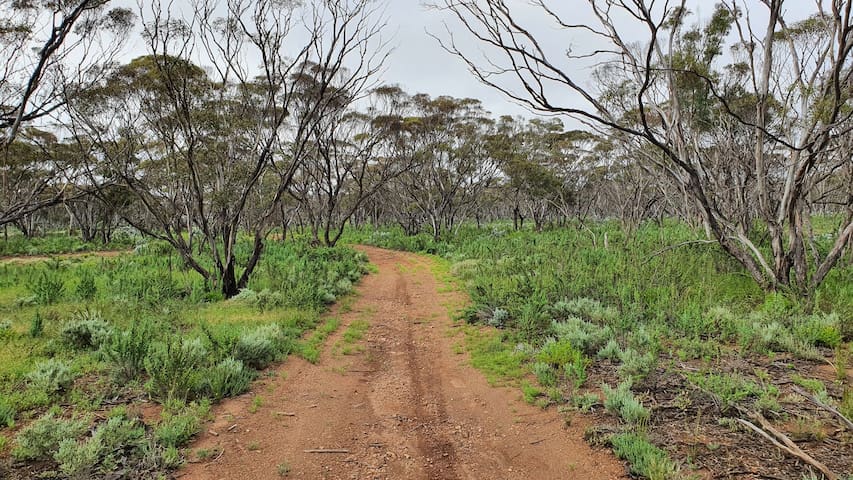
{"x": 730, "y": 389}
{"x": 41, "y": 439}
{"x": 644, "y": 458}
{"x": 621, "y": 401}
{"x": 109, "y": 444}
{"x": 545, "y": 374}
{"x": 7, "y": 413}
{"x": 127, "y": 350}
{"x": 36, "y": 325}
{"x": 85, "y": 330}
{"x": 585, "y": 401}
{"x": 174, "y": 369}
{"x": 634, "y": 365}
{"x": 558, "y": 352}
{"x": 52, "y": 376}
{"x": 228, "y": 378}
{"x": 584, "y": 336}
{"x": 48, "y": 288}
{"x": 86, "y": 287}
{"x": 262, "y": 346}
{"x": 177, "y": 427}
{"x": 610, "y": 351}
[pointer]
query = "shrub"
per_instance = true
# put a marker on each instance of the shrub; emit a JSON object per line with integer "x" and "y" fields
{"x": 645, "y": 459}
{"x": 635, "y": 365}
{"x": 730, "y": 389}
{"x": 498, "y": 318}
{"x": 52, "y": 376}
{"x": 47, "y": 288}
{"x": 262, "y": 346}
{"x": 177, "y": 427}
{"x": 173, "y": 369}
{"x": 105, "y": 448}
{"x": 86, "y": 330}
{"x": 586, "y": 308}
{"x": 583, "y": 335}
{"x": 819, "y": 330}
{"x": 576, "y": 370}
{"x": 227, "y": 379}
{"x": 6, "y": 331}
{"x": 621, "y": 401}
{"x": 86, "y": 289}
{"x": 557, "y": 352}
{"x": 7, "y": 413}
{"x": 266, "y": 300}
{"x": 586, "y": 401}
{"x": 36, "y": 326}
{"x": 610, "y": 351}
{"x": 545, "y": 374}
{"x": 126, "y": 350}
{"x": 41, "y": 438}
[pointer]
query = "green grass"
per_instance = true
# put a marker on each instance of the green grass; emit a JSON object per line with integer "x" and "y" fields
{"x": 152, "y": 308}
{"x": 310, "y": 348}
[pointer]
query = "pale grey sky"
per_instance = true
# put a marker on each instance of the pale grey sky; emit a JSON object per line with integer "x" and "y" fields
{"x": 419, "y": 64}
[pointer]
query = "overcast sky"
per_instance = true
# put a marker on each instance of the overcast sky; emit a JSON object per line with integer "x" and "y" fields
{"x": 419, "y": 64}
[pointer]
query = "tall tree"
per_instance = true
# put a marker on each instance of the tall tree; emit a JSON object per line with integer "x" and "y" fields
{"x": 214, "y": 151}
{"x": 779, "y": 107}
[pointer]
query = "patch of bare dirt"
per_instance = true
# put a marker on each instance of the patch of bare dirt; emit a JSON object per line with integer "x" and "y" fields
{"x": 406, "y": 407}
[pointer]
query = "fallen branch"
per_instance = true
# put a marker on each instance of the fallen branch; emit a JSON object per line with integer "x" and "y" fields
{"x": 336, "y": 450}
{"x": 846, "y": 421}
{"x": 785, "y": 444}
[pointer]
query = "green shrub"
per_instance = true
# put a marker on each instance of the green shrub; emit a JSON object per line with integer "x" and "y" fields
{"x": 126, "y": 350}
{"x": 86, "y": 288}
{"x": 558, "y": 352}
{"x": 36, "y": 326}
{"x": 587, "y": 308}
{"x": 7, "y": 413}
{"x": 610, "y": 351}
{"x": 576, "y": 370}
{"x": 268, "y": 300}
{"x": 621, "y": 401}
{"x": 41, "y": 439}
{"x": 111, "y": 442}
{"x": 86, "y": 330}
{"x": 173, "y": 369}
{"x": 47, "y": 288}
{"x": 52, "y": 376}
{"x": 730, "y": 389}
{"x": 634, "y": 365}
{"x": 6, "y": 331}
{"x": 177, "y": 427}
{"x": 545, "y": 374}
{"x": 584, "y": 336}
{"x": 584, "y": 402}
{"x": 644, "y": 458}
{"x": 262, "y": 346}
{"x": 819, "y": 330}
{"x": 227, "y": 379}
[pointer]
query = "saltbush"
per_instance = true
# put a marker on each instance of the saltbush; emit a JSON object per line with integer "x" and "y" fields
{"x": 227, "y": 379}
{"x": 41, "y": 439}
{"x": 52, "y": 376}
{"x": 621, "y": 401}
{"x": 260, "y": 347}
{"x": 86, "y": 330}
{"x": 177, "y": 427}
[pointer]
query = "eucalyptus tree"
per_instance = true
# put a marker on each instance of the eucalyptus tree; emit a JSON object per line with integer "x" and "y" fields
{"x": 214, "y": 150}
{"x": 48, "y": 51}
{"x": 749, "y": 135}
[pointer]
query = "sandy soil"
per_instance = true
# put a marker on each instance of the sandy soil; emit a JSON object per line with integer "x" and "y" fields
{"x": 406, "y": 407}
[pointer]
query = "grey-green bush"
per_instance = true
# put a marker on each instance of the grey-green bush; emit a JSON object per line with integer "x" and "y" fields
{"x": 103, "y": 450}
{"x": 52, "y": 376}
{"x": 126, "y": 350}
{"x": 227, "y": 379}
{"x": 260, "y": 347}
{"x": 174, "y": 369}
{"x": 40, "y": 439}
{"x": 86, "y": 330}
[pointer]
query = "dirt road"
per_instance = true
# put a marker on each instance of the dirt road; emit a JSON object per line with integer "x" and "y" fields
{"x": 405, "y": 407}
